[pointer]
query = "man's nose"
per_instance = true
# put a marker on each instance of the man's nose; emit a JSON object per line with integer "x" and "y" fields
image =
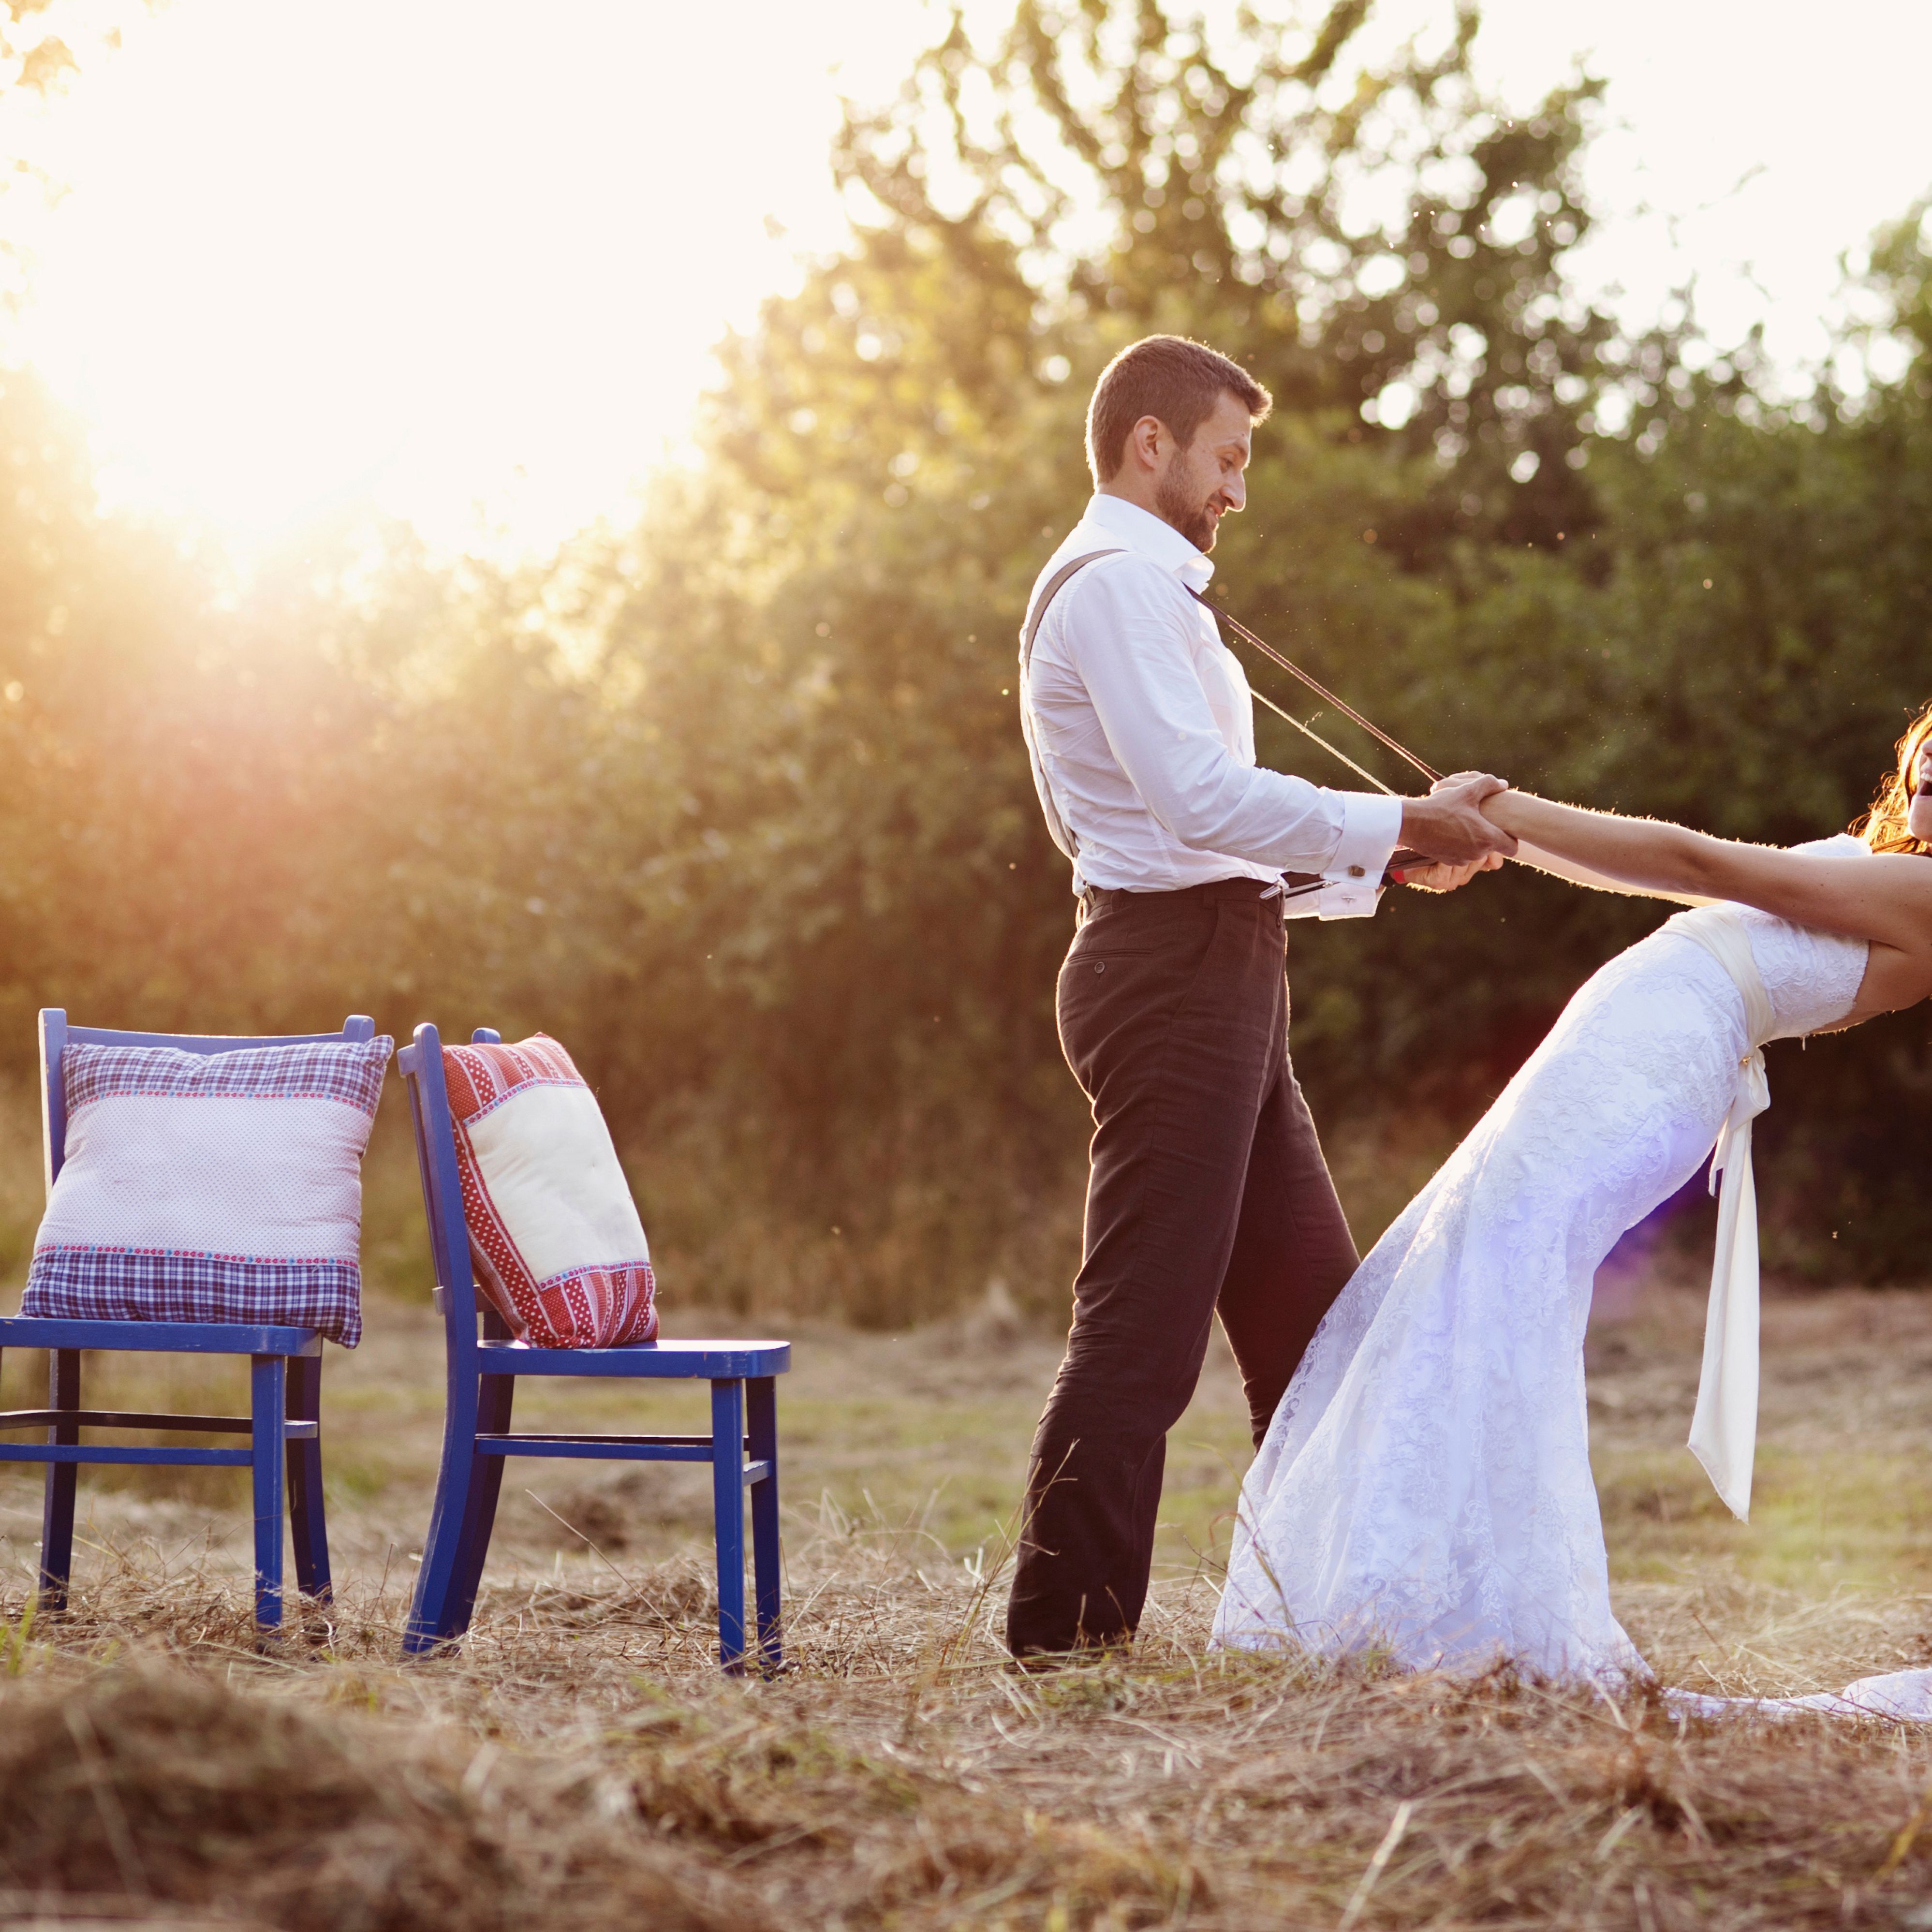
{"x": 1236, "y": 494}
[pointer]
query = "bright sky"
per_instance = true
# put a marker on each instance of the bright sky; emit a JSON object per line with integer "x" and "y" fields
{"x": 467, "y": 258}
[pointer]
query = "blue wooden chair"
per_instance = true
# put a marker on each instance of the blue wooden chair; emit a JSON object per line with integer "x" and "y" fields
{"x": 283, "y": 1425}
{"x": 743, "y": 1448}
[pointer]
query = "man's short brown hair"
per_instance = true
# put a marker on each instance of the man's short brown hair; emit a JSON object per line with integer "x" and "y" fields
{"x": 1168, "y": 377}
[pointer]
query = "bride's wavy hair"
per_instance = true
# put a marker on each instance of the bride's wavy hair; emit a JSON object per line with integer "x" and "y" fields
{"x": 1884, "y": 827}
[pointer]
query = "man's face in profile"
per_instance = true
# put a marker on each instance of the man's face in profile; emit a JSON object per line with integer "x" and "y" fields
{"x": 1201, "y": 483}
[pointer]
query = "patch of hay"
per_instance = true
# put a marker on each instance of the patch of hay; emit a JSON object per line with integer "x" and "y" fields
{"x": 580, "y": 1762}
{"x": 161, "y": 1787}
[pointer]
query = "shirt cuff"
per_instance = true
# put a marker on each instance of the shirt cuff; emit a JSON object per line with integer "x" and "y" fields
{"x": 1371, "y": 830}
{"x": 1343, "y": 899}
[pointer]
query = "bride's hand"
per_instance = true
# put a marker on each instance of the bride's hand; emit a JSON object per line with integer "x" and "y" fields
{"x": 1447, "y": 878}
{"x": 1449, "y": 826}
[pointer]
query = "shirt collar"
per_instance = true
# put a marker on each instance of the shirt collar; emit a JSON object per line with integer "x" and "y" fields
{"x": 1141, "y": 530}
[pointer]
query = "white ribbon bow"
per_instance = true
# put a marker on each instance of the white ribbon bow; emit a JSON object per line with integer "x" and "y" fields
{"x": 1723, "y": 1426}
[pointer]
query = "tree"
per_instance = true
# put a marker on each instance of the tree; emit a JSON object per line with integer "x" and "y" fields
{"x": 1382, "y": 247}
{"x": 734, "y": 801}
{"x": 896, "y": 448}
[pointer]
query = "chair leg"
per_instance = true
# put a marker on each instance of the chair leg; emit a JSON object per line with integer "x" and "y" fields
{"x": 727, "y": 1490}
{"x": 308, "y": 1527}
{"x": 494, "y": 1401}
{"x": 57, "y": 1514}
{"x": 762, "y": 1426}
{"x": 268, "y": 1409}
{"x": 464, "y": 1512}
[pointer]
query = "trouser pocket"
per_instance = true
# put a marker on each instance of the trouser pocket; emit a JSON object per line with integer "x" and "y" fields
{"x": 1125, "y": 977}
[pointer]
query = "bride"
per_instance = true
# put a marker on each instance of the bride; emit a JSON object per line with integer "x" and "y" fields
{"x": 1425, "y": 1488}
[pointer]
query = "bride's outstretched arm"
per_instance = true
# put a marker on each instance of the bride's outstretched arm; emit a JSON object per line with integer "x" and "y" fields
{"x": 1887, "y": 898}
{"x": 1529, "y": 853}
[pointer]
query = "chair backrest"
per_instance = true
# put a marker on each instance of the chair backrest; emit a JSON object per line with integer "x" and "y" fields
{"x": 420, "y": 1065}
{"x": 56, "y": 1036}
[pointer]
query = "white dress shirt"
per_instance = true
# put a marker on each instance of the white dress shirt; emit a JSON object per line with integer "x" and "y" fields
{"x": 1140, "y": 728}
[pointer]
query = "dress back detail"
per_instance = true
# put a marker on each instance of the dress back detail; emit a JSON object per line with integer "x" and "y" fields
{"x": 1723, "y": 1430}
{"x": 1813, "y": 978}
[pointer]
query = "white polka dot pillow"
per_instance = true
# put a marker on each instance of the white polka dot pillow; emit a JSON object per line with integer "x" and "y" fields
{"x": 210, "y": 1186}
{"x": 553, "y": 1231}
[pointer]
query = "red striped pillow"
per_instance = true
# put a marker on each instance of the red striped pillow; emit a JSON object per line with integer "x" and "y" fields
{"x": 553, "y": 1231}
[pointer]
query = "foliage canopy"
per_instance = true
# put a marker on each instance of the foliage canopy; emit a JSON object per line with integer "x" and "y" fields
{"x": 733, "y": 800}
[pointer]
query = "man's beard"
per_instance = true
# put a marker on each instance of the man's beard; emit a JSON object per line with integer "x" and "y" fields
{"x": 1173, "y": 504}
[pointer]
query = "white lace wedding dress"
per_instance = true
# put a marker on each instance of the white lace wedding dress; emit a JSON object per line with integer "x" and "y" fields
{"x": 1426, "y": 1482}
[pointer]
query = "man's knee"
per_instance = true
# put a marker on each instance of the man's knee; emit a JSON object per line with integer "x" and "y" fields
{"x": 1121, "y": 1395}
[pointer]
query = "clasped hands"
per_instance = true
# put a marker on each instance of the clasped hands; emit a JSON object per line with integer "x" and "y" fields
{"x": 1448, "y": 828}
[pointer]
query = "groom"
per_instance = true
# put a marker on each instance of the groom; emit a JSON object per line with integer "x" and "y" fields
{"x": 1208, "y": 1192}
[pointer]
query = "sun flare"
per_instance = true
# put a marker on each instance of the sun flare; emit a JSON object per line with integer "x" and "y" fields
{"x": 468, "y": 262}
{"x": 452, "y": 258}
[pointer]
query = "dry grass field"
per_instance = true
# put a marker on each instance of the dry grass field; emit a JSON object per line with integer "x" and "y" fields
{"x": 582, "y": 1764}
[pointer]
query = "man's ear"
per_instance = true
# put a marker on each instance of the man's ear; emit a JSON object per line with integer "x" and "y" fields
{"x": 1144, "y": 440}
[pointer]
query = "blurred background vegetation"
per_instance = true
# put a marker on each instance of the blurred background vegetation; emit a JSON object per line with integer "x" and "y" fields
{"x": 733, "y": 800}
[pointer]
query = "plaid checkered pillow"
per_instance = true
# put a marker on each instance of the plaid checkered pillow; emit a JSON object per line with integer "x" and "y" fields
{"x": 211, "y": 1187}
{"x": 555, "y": 1234}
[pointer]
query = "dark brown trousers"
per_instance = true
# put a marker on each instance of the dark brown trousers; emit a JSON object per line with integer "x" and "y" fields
{"x": 1208, "y": 1192}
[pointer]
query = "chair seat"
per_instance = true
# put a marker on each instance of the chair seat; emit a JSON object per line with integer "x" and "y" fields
{"x": 714, "y": 1361}
{"x": 172, "y": 1338}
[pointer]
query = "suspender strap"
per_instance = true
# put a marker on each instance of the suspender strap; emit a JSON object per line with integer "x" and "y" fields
{"x": 1321, "y": 690}
{"x": 1055, "y": 585}
{"x": 1062, "y": 832}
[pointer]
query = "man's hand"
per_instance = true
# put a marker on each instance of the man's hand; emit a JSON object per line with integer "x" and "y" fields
{"x": 1447, "y": 878}
{"x": 1448, "y": 825}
